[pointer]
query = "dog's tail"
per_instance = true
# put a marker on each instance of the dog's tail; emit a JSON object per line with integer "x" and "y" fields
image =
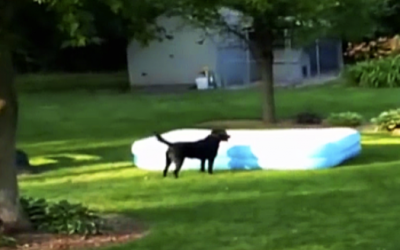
{"x": 161, "y": 139}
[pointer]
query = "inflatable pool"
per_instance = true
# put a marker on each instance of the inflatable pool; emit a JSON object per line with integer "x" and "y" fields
{"x": 286, "y": 149}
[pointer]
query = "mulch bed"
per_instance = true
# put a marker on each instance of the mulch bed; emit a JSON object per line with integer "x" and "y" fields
{"x": 122, "y": 230}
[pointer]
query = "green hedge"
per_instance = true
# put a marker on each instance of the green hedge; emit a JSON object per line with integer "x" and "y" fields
{"x": 388, "y": 120}
{"x": 376, "y": 73}
{"x": 66, "y": 82}
{"x": 345, "y": 119}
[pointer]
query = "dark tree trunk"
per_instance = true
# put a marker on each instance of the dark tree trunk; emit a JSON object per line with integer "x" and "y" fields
{"x": 267, "y": 88}
{"x": 11, "y": 213}
{"x": 262, "y": 47}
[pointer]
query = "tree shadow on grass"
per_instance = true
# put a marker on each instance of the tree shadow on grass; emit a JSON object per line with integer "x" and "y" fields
{"x": 80, "y": 158}
{"x": 38, "y": 177}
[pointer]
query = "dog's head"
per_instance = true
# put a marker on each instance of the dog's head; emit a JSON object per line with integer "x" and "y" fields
{"x": 220, "y": 134}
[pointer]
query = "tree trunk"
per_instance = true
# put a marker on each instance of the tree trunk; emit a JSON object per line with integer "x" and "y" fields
{"x": 11, "y": 212}
{"x": 267, "y": 87}
{"x": 262, "y": 48}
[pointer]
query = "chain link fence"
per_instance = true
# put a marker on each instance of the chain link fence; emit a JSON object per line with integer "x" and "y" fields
{"x": 292, "y": 66}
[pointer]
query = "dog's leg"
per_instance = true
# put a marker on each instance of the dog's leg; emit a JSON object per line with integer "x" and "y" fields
{"x": 178, "y": 165}
{"x": 203, "y": 165}
{"x": 168, "y": 163}
{"x": 210, "y": 165}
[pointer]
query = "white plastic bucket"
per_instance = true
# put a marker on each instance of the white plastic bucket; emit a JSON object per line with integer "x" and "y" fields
{"x": 201, "y": 83}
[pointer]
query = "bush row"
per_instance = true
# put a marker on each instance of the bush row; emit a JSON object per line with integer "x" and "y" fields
{"x": 386, "y": 121}
{"x": 66, "y": 82}
{"x": 375, "y": 73}
{"x": 61, "y": 217}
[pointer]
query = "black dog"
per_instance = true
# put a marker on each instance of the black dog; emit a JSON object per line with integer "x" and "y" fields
{"x": 203, "y": 150}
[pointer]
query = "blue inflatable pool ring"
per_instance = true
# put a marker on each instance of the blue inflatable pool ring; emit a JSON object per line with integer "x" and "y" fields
{"x": 241, "y": 157}
{"x": 286, "y": 149}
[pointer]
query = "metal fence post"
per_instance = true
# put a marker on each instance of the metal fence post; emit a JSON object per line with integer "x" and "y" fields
{"x": 248, "y": 58}
{"x": 340, "y": 55}
{"x": 317, "y": 55}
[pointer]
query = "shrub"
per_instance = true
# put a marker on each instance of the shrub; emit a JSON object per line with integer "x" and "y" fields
{"x": 377, "y": 73}
{"x": 308, "y": 118}
{"x": 387, "y": 120}
{"x": 62, "y": 217}
{"x": 7, "y": 241}
{"x": 345, "y": 119}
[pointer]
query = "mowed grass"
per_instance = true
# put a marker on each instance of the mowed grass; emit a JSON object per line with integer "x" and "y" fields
{"x": 83, "y": 142}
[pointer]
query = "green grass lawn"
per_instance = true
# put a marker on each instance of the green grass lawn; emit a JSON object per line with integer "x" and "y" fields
{"x": 83, "y": 141}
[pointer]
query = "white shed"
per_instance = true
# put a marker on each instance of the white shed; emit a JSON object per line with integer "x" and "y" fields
{"x": 291, "y": 66}
{"x": 175, "y": 61}
{"x": 179, "y": 60}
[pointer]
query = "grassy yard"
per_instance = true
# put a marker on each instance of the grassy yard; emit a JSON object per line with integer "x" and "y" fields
{"x": 83, "y": 140}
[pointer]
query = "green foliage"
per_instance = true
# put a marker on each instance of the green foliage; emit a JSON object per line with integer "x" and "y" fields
{"x": 67, "y": 82}
{"x": 77, "y": 19}
{"x": 388, "y": 120}
{"x": 62, "y": 217}
{"x": 7, "y": 241}
{"x": 345, "y": 119}
{"x": 306, "y": 20}
{"x": 376, "y": 73}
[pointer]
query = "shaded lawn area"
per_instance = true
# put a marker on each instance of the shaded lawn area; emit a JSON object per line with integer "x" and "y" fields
{"x": 85, "y": 141}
